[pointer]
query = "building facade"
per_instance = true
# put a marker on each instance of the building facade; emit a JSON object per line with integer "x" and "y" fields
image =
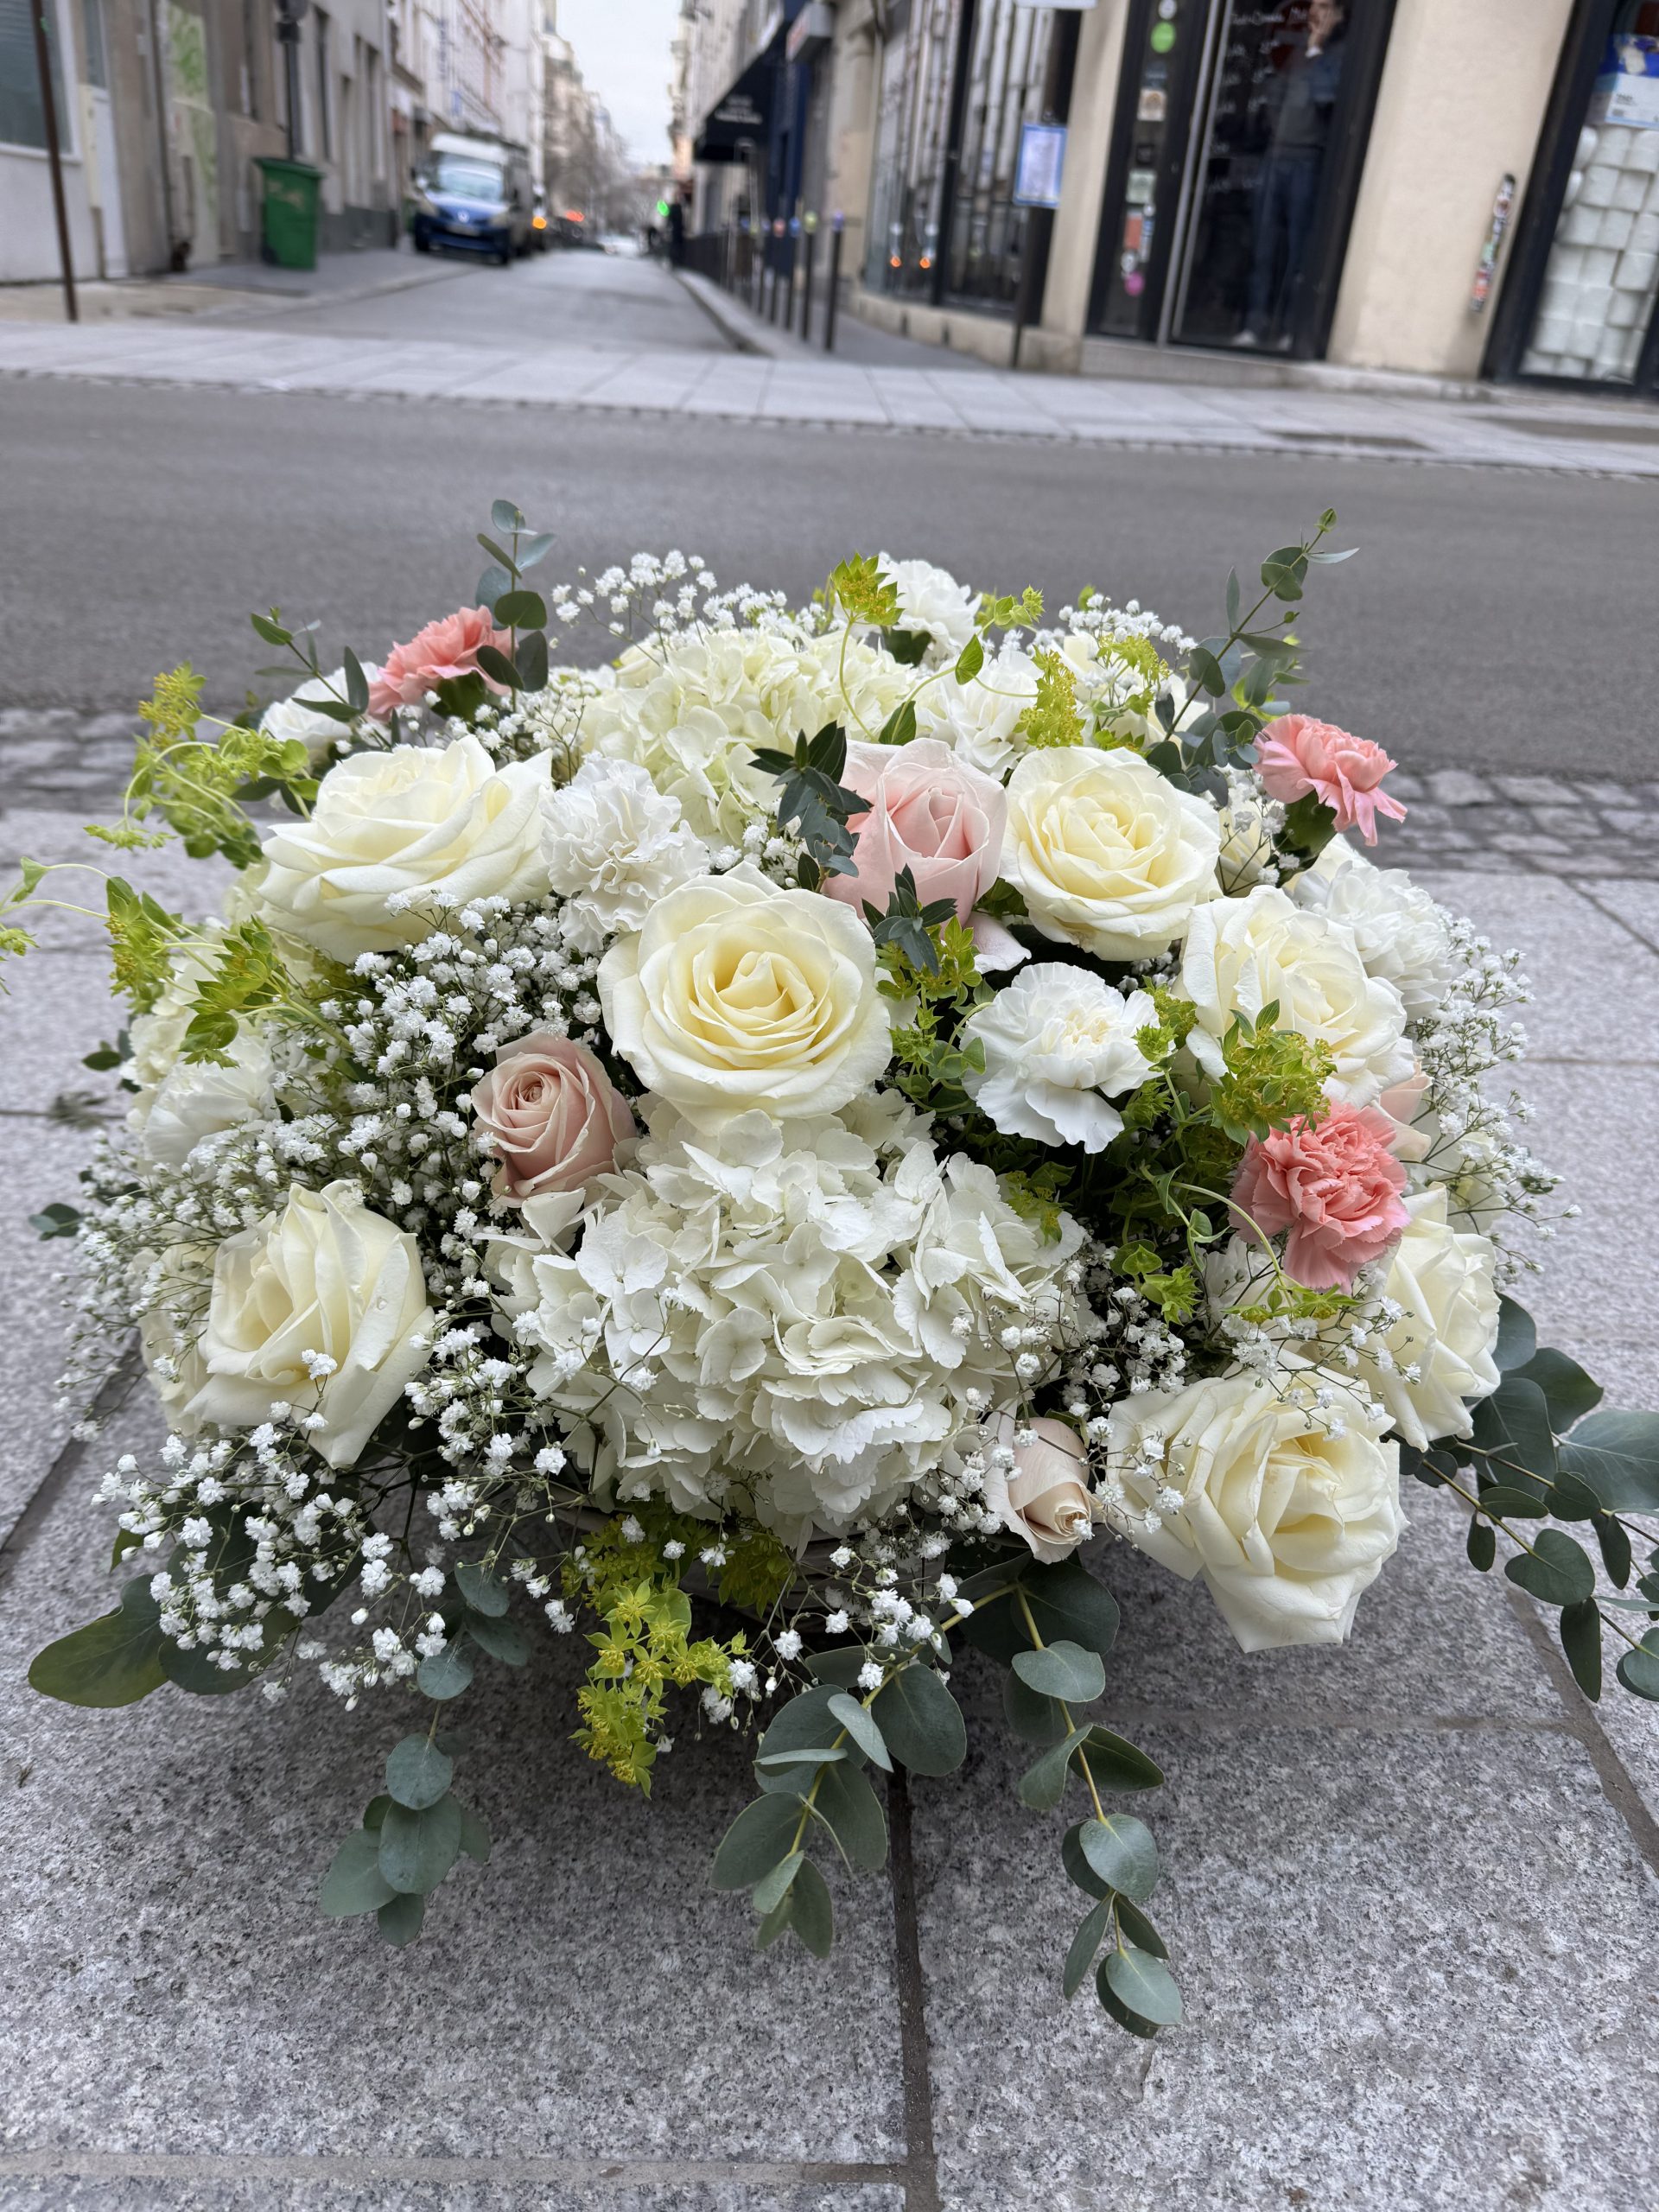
{"x": 1453, "y": 187}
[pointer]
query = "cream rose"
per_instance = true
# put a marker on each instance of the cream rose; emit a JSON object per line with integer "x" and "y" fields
{"x": 1044, "y": 1498}
{"x": 736, "y": 995}
{"x": 1441, "y": 1349}
{"x": 1108, "y": 854}
{"x": 323, "y": 1307}
{"x": 1244, "y": 954}
{"x": 1286, "y": 1509}
{"x": 396, "y": 836}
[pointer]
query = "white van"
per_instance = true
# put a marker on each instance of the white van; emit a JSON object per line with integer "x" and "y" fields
{"x": 473, "y": 194}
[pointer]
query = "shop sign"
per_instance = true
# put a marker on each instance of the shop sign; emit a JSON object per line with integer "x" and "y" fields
{"x": 1041, "y": 164}
{"x": 1627, "y": 89}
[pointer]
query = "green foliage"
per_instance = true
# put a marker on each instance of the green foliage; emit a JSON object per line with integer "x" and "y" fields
{"x": 115, "y": 1660}
{"x": 863, "y": 593}
{"x": 1004, "y": 613}
{"x": 1037, "y": 1195}
{"x": 248, "y": 978}
{"x": 1142, "y": 658}
{"x": 55, "y": 1220}
{"x": 815, "y": 802}
{"x": 196, "y": 785}
{"x": 1273, "y": 1077}
{"x": 1053, "y": 717}
{"x": 909, "y": 927}
{"x": 928, "y": 1064}
{"x": 142, "y": 934}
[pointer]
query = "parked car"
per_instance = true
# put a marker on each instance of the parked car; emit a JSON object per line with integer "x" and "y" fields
{"x": 474, "y": 195}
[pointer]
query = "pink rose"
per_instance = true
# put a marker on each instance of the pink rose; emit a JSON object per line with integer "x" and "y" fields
{"x": 1044, "y": 1499}
{"x": 556, "y": 1116}
{"x": 441, "y": 649}
{"x": 930, "y": 812}
{"x": 1296, "y": 754}
{"x": 1334, "y": 1184}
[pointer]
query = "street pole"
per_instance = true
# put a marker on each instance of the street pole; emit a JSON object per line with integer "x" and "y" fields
{"x": 54, "y": 157}
{"x": 806, "y": 286}
{"x": 835, "y": 286}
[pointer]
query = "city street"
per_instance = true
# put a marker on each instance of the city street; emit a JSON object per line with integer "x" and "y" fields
{"x": 1409, "y": 1882}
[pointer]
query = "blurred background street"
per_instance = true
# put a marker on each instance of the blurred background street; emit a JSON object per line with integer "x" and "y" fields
{"x": 1401, "y": 260}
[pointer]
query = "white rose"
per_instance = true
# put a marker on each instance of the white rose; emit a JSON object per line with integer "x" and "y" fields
{"x": 736, "y": 995}
{"x": 1055, "y": 1039}
{"x": 297, "y": 719}
{"x": 613, "y": 845}
{"x": 1399, "y": 931}
{"x": 1108, "y": 854}
{"x": 1244, "y": 954}
{"x": 423, "y": 828}
{"x": 1043, "y": 1498}
{"x": 198, "y": 1099}
{"x": 1446, "y": 1337}
{"x": 327, "y": 1277}
{"x": 1287, "y": 1510}
{"x": 931, "y": 599}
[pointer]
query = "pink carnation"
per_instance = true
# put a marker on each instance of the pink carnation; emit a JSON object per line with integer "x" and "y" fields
{"x": 1296, "y": 755}
{"x": 1334, "y": 1184}
{"x": 443, "y": 649}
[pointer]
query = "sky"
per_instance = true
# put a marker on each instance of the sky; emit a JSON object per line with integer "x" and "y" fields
{"x": 622, "y": 50}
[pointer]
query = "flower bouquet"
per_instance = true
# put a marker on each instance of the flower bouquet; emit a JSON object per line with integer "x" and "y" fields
{"x": 774, "y": 1155}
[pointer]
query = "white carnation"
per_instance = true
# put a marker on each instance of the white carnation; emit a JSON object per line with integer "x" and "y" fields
{"x": 978, "y": 719}
{"x": 1399, "y": 931}
{"x": 614, "y": 844}
{"x": 1055, "y": 1039}
{"x": 931, "y": 599}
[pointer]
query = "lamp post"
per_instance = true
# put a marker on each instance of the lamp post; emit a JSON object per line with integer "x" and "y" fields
{"x": 289, "y": 15}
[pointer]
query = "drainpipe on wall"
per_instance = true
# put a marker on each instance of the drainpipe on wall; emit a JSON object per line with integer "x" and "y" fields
{"x": 54, "y": 156}
{"x": 160, "y": 128}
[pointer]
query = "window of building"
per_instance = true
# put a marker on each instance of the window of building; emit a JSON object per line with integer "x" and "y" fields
{"x": 97, "y": 65}
{"x": 250, "y": 47}
{"x": 22, "y": 112}
{"x": 324, "y": 104}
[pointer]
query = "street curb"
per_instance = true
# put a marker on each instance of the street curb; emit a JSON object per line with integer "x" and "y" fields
{"x": 743, "y": 332}
{"x": 287, "y": 304}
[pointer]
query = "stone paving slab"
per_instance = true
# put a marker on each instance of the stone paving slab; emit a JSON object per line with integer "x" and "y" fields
{"x": 664, "y": 380}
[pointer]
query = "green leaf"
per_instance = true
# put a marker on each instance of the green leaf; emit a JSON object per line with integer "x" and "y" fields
{"x": 1077, "y": 1868}
{"x": 55, "y": 1220}
{"x": 521, "y": 610}
{"x": 357, "y": 684}
{"x": 1518, "y": 1338}
{"x": 762, "y": 1834}
{"x": 908, "y": 647}
{"x": 899, "y": 727}
{"x": 773, "y": 1885}
{"x": 810, "y": 1913}
{"x": 484, "y": 1591}
{"x": 860, "y": 1724}
{"x": 533, "y": 549}
{"x": 447, "y": 1673}
{"x": 270, "y": 629}
{"x": 1639, "y": 1670}
{"x": 1034, "y": 1719}
{"x": 850, "y": 1808}
{"x": 491, "y": 585}
{"x": 1481, "y": 1545}
{"x": 494, "y": 663}
{"x": 1063, "y": 1670}
{"x": 529, "y": 658}
{"x": 1144, "y": 1986}
{"x": 417, "y": 1773}
{"x": 813, "y": 1755}
{"x": 503, "y": 1640}
{"x": 920, "y": 1722}
{"x": 375, "y": 1811}
{"x": 1067, "y": 1603}
{"x": 475, "y": 1835}
{"x": 1043, "y": 1786}
{"x": 1569, "y": 1392}
{"x": 970, "y": 660}
{"x": 842, "y": 1666}
{"x": 1085, "y": 1944}
{"x": 1204, "y": 670}
{"x": 354, "y": 1882}
{"x": 418, "y": 1849}
{"x": 115, "y": 1660}
{"x": 1615, "y": 1549}
{"x": 1113, "y": 2005}
{"x": 1140, "y": 1931}
{"x": 1581, "y": 1630}
{"x": 1121, "y": 1850}
{"x": 400, "y": 1919}
{"x": 1617, "y": 1456}
{"x": 197, "y": 1672}
{"x": 1514, "y": 1426}
{"x": 499, "y": 553}
{"x": 802, "y": 1726}
{"x": 1556, "y": 1570}
{"x": 1118, "y": 1764}
{"x": 1505, "y": 1502}
{"x": 506, "y": 517}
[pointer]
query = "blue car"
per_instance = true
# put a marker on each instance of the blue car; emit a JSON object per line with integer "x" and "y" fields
{"x": 473, "y": 194}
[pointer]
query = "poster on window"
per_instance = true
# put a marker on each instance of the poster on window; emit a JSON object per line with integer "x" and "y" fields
{"x": 1042, "y": 160}
{"x": 1627, "y": 87}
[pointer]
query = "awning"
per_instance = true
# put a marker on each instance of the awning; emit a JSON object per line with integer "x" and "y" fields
{"x": 742, "y": 118}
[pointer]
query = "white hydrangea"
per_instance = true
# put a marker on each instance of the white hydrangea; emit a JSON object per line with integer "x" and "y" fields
{"x": 614, "y": 844}
{"x": 797, "y": 1322}
{"x": 1399, "y": 931}
{"x": 931, "y": 599}
{"x": 978, "y": 719}
{"x": 1059, "y": 1042}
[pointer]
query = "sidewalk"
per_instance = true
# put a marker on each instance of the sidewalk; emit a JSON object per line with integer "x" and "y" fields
{"x": 1406, "y": 1881}
{"x": 1568, "y": 435}
{"x": 219, "y": 289}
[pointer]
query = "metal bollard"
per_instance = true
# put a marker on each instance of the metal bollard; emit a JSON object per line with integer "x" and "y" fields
{"x": 806, "y": 288}
{"x": 835, "y": 288}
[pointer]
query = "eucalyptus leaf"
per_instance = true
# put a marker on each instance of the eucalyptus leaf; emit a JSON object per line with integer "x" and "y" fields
{"x": 803, "y": 1724}
{"x": 773, "y": 1885}
{"x": 1063, "y": 1670}
{"x": 115, "y": 1660}
{"x": 417, "y": 1773}
{"x": 521, "y": 610}
{"x": 1145, "y": 1986}
{"x": 1569, "y": 1392}
{"x": 860, "y": 1724}
{"x": 354, "y": 1882}
{"x": 1639, "y": 1669}
{"x": 445, "y": 1673}
{"x": 1118, "y": 1764}
{"x": 1617, "y": 1456}
{"x": 475, "y": 1835}
{"x": 1043, "y": 1786}
{"x": 1518, "y": 1337}
{"x": 1034, "y": 1719}
{"x": 1121, "y": 1850}
{"x": 811, "y": 1914}
{"x": 1113, "y": 2005}
{"x": 400, "y": 1918}
{"x": 850, "y": 1808}
{"x": 484, "y": 1591}
{"x": 418, "y": 1849}
{"x": 920, "y": 1722}
{"x": 762, "y": 1834}
{"x": 1580, "y": 1632}
{"x": 1085, "y": 1945}
{"x": 1556, "y": 1570}
{"x": 503, "y": 1640}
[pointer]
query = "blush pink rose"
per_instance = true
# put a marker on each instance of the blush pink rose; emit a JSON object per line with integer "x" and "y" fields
{"x": 556, "y": 1116}
{"x": 930, "y": 812}
{"x": 1334, "y": 1184}
{"x": 1043, "y": 1498}
{"x": 1296, "y": 755}
{"x": 441, "y": 649}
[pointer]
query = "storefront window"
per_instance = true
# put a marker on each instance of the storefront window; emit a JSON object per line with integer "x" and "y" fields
{"x": 1602, "y": 279}
{"x": 923, "y": 204}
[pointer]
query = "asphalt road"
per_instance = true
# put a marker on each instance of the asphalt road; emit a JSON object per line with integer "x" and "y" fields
{"x": 1494, "y": 618}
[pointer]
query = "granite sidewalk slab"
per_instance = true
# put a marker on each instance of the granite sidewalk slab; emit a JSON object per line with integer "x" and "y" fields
{"x": 1407, "y": 1883}
{"x": 667, "y": 380}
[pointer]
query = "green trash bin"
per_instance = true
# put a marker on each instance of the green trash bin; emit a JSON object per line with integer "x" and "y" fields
{"x": 290, "y": 212}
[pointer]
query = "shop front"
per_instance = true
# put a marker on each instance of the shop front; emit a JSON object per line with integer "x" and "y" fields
{"x": 1581, "y": 306}
{"x": 1237, "y": 147}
